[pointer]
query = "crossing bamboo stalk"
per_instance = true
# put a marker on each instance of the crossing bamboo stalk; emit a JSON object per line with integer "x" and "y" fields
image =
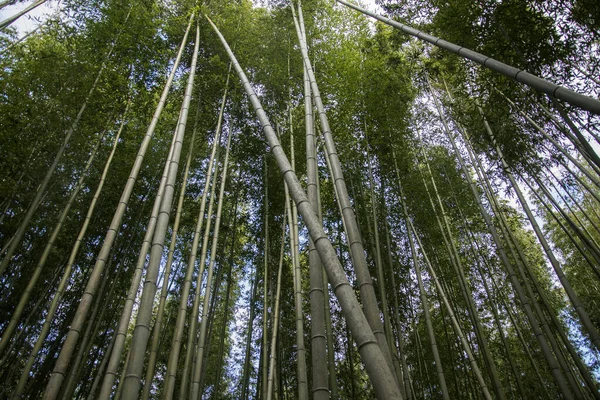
{"x": 377, "y": 367}
{"x": 537, "y": 83}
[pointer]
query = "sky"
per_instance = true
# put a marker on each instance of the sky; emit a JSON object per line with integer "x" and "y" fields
{"x": 31, "y": 20}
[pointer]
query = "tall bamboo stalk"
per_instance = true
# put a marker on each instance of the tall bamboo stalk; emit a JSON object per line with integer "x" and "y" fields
{"x": 123, "y": 326}
{"x": 248, "y": 350}
{"x": 320, "y": 388}
{"x": 295, "y": 252}
{"x": 355, "y": 242}
{"x": 542, "y": 85}
{"x": 577, "y": 305}
{"x": 141, "y": 332}
{"x": 211, "y": 170}
{"x": 165, "y": 287}
{"x": 195, "y": 383}
{"x": 458, "y": 330}
{"x": 425, "y": 305}
{"x": 376, "y": 365}
{"x": 525, "y": 301}
{"x": 68, "y": 347}
{"x": 275, "y": 330}
{"x": 70, "y": 262}
{"x": 6, "y": 22}
{"x": 265, "y": 350}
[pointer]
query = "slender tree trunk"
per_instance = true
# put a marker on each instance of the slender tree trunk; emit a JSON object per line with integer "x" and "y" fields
{"x": 264, "y": 353}
{"x": 376, "y": 364}
{"x": 211, "y": 170}
{"x": 248, "y": 350}
{"x": 355, "y": 242}
{"x": 275, "y": 330}
{"x": 463, "y": 340}
{"x": 73, "y": 336}
{"x": 195, "y": 383}
{"x": 318, "y": 341}
{"x": 293, "y": 223}
{"x": 165, "y": 288}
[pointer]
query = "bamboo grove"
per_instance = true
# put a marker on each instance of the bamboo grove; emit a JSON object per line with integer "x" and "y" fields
{"x": 296, "y": 200}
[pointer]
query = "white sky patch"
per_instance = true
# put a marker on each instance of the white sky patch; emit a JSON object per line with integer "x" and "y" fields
{"x": 32, "y": 19}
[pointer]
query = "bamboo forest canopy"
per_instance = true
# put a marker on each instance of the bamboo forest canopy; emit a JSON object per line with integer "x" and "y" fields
{"x": 300, "y": 200}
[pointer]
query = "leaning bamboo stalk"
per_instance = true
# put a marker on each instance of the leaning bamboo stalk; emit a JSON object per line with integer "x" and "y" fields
{"x": 576, "y": 142}
{"x": 478, "y": 327}
{"x": 211, "y": 171}
{"x": 560, "y": 186}
{"x": 355, "y": 242}
{"x": 124, "y": 320}
{"x": 525, "y": 301}
{"x": 425, "y": 304}
{"x": 141, "y": 333}
{"x": 63, "y": 361}
{"x": 380, "y": 275}
{"x": 571, "y": 212}
{"x": 554, "y": 142}
{"x": 195, "y": 383}
{"x": 275, "y": 329}
{"x": 542, "y": 85}
{"x": 577, "y": 305}
{"x": 192, "y": 336}
{"x": 523, "y": 265}
{"x": 441, "y": 292}
{"x": 91, "y": 331}
{"x": 396, "y": 316}
{"x": 377, "y": 367}
{"x": 165, "y": 287}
